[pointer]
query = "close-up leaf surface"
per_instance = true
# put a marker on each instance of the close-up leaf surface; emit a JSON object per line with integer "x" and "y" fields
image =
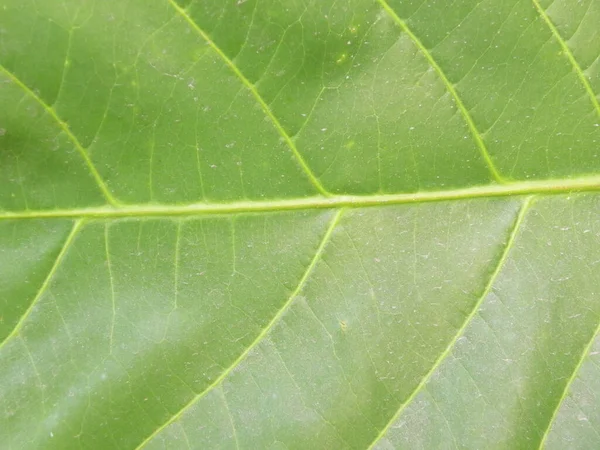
{"x": 299, "y": 224}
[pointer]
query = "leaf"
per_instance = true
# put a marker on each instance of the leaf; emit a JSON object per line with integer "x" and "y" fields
{"x": 301, "y": 224}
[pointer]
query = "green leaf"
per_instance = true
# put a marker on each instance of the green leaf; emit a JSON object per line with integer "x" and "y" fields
{"x": 299, "y": 224}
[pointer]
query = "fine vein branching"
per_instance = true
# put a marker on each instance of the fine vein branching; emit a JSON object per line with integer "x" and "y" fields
{"x": 548, "y": 187}
{"x": 265, "y": 107}
{"x": 567, "y": 52}
{"x": 449, "y": 86}
{"x": 264, "y": 332}
{"x": 466, "y": 322}
{"x": 65, "y": 128}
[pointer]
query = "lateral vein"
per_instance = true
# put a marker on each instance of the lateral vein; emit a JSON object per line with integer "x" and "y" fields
{"x": 65, "y": 128}
{"x": 263, "y": 104}
{"x": 320, "y": 250}
{"x": 488, "y": 287}
{"x": 449, "y": 86}
{"x": 76, "y": 227}
{"x": 567, "y": 52}
{"x": 584, "y": 354}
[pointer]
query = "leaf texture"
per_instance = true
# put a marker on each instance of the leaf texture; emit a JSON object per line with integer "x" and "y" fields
{"x": 300, "y": 224}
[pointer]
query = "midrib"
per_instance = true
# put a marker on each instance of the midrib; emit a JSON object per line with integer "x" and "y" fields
{"x": 548, "y": 187}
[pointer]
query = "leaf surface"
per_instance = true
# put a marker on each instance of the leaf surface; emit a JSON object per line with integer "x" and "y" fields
{"x": 301, "y": 224}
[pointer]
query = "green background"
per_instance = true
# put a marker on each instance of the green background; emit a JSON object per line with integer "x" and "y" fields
{"x": 299, "y": 224}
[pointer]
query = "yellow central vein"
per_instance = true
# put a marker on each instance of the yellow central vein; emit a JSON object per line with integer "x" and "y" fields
{"x": 547, "y": 187}
{"x": 63, "y": 125}
{"x": 459, "y": 103}
{"x": 567, "y": 52}
{"x": 267, "y": 110}
{"x": 320, "y": 249}
{"x": 467, "y": 321}
{"x": 45, "y": 284}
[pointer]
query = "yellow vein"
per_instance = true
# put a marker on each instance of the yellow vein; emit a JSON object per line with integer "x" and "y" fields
{"x": 570, "y": 381}
{"x": 317, "y": 256}
{"x": 569, "y": 55}
{"x": 63, "y": 125}
{"x": 267, "y": 110}
{"x": 546, "y": 187}
{"x": 468, "y": 319}
{"x": 45, "y": 284}
{"x": 459, "y": 103}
